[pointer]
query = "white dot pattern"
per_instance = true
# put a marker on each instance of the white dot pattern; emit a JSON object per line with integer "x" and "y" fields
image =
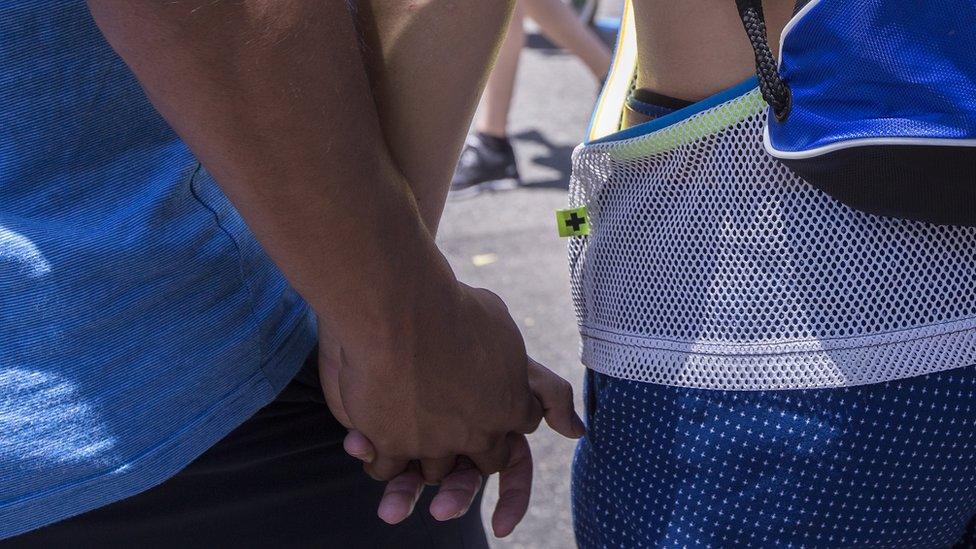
{"x": 709, "y": 264}
{"x": 886, "y": 465}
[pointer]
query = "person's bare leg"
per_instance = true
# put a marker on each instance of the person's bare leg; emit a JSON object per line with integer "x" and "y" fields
{"x": 559, "y": 22}
{"x": 427, "y": 91}
{"x": 497, "y": 101}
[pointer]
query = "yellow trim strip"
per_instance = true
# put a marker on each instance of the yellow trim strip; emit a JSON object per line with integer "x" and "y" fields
{"x": 697, "y": 127}
{"x": 610, "y": 105}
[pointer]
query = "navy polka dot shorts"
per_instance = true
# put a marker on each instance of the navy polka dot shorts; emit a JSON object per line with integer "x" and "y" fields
{"x": 886, "y": 465}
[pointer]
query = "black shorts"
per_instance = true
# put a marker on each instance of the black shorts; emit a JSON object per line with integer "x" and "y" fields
{"x": 281, "y": 479}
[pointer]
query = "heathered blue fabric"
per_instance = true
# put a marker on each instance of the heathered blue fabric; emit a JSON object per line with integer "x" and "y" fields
{"x": 140, "y": 321}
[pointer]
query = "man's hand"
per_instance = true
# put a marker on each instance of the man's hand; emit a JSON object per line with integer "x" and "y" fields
{"x": 459, "y": 386}
{"x": 452, "y": 382}
{"x": 474, "y": 394}
{"x": 458, "y": 490}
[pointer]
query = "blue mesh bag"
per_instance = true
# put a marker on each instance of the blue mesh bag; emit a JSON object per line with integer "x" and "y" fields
{"x": 874, "y": 102}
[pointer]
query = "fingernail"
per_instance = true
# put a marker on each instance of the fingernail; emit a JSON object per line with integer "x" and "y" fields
{"x": 388, "y": 513}
{"x": 365, "y": 458}
{"x": 437, "y": 509}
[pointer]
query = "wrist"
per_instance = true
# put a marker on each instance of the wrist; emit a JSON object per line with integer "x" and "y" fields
{"x": 391, "y": 273}
{"x": 412, "y": 294}
{"x": 423, "y": 301}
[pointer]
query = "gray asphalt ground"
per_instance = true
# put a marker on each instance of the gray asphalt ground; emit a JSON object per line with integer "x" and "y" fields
{"x": 507, "y": 242}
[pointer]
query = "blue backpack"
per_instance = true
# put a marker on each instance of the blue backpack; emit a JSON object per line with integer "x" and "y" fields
{"x": 874, "y": 102}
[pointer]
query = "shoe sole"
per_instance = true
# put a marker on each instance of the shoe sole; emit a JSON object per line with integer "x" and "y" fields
{"x": 507, "y": 184}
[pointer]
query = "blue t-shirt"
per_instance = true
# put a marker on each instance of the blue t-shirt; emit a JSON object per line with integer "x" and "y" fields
{"x": 140, "y": 321}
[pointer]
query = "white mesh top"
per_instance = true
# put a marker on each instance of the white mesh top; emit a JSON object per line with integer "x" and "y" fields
{"x": 709, "y": 264}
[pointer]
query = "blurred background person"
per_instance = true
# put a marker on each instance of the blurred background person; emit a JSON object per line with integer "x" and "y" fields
{"x": 488, "y": 158}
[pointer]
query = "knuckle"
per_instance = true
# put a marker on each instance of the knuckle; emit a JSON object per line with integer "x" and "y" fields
{"x": 533, "y": 414}
{"x": 565, "y": 390}
{"x": 433, "y": 478}
{"x": 486, "y": 444}
{"x": 481, "y": 446}
{"x": 429, "y": 457}
{"x": 385, "y": 476}
{"x": 372, "y": 472}
{"x": 491, "y": 466}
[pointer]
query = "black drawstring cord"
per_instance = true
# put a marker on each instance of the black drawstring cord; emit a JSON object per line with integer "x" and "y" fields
{"x": 774, "y": 90}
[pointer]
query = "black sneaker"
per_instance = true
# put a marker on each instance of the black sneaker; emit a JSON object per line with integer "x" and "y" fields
{"x": 486, "y": 164}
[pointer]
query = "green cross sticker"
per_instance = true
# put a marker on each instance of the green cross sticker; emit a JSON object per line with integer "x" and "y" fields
{"x": 573, "y": 222}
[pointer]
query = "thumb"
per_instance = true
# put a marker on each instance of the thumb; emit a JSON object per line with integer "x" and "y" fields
{"x": 330, "y": 364}
{"x": 555, "y": 394}
{"x": 358, "y": 446}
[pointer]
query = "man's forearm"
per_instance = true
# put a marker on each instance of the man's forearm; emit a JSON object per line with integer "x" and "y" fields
{"x": 273, "y": 98}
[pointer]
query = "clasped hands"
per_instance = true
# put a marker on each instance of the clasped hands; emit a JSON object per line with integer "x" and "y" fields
{"x": 447, "y": 403}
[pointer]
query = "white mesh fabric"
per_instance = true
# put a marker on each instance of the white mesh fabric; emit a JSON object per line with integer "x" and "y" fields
{"x": 711, "y": 265}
